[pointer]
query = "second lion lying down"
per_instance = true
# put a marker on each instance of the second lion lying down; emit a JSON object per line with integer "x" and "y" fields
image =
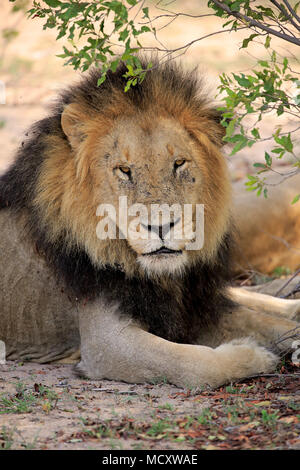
{"x": 139, "y": 307}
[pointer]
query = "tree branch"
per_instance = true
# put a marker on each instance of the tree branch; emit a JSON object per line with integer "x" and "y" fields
{"x": 253, "y": 23}
{"x": 175, "y": 15}
{"x": 291, "y": 10}
{"x": 283, "y": 178}
{"x": 189, "y": 44}
{"x": 280, "y": 8}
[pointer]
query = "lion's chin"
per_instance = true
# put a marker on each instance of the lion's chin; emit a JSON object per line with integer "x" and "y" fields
{"x": 163, "y": 263}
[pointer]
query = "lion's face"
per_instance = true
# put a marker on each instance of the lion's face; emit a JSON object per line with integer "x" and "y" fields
{"x": 154, "y": 165}
{"x": 158, "y": 166}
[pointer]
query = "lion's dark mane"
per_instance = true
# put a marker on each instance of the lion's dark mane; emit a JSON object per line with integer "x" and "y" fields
{"x": 202, "y": 286}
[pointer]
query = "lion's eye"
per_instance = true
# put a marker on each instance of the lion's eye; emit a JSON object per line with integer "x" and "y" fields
{"x": 125, "y": 169}
{"x": 179, "y": 162}
{"x": 124, "y": 172}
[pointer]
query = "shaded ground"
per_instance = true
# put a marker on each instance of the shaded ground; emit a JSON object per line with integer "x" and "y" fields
{"x": 47, "y": 407}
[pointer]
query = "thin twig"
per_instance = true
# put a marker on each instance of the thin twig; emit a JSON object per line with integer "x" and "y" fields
{"x": 189, "y": 44}
{"x": 292, "y": 292}
{"x": 282, "y": 240}
{"x": 290, "y": 334}
{"x": 287, "y": 283}
{"x": 251, "y": 22}
{"x": 273, "y": 375}
{"x": 175, "y": 15}
{"x": 280, "y": 8}
{"x": 283, "y": 178}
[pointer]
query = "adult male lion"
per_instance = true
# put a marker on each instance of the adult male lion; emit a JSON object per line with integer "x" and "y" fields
{"x": 144, "y": 304}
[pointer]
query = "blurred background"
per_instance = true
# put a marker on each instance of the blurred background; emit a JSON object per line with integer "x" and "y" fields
{"x": 32, "y": 72}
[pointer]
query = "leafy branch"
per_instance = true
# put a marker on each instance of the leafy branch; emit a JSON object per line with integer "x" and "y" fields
{"x": 103, "y": 32}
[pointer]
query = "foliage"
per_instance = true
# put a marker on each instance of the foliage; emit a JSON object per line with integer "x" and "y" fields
{"x": 97, "y": 30}
{"x": 272, "y": 87}
{"x": 101, "y": 25}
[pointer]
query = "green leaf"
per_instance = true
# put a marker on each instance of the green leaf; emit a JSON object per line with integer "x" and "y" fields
{"x": 230, "y": 128}
{"x": 146, "y": 12}
{"x": 252, "y": 178}
{"x": 239, "y": 146}
{"x": 285, "y": 142}
{"x": 53, "y": 3}
{"x": 277, "y": 150}
{"x": 247, "y": 40}
{"x": 123, "y": 35}
{"x": 267, "y": 11}
{"x": 255, "y": 133}
{"x": 296, "y": 199}
{"x": 242, "y": 80}
{"x": 264, "y": 63}
{"x": 285, "y": 64}
{"x": 114, "y": 64}
{"x": 72, "y": 11}
{"x": 268, "y": 159}
{"x": 267, "y": 42}
{"x": 101, "y": 79}
{"x": 128, "y": 85}
{"x": 235, "y": 6}
{"x": 145, "y": 29}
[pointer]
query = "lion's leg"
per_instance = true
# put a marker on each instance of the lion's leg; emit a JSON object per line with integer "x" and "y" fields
{"x": 71, "y": 359}
{"x": 266, "y": 303}
{"x": 114, "y": 347}
{"x": 266, "y": 329}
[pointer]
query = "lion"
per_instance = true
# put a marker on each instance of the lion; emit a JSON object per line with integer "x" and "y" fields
{"x": 141, "y": 305}
{"x": 269, "y": 229}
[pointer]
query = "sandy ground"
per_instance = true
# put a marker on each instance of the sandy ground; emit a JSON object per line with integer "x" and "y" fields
{"x": 47, "y": 406}
{"x": 79, "y": 405}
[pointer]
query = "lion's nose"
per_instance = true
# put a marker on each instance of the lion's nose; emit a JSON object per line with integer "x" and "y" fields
{"x": 161, "y": 230}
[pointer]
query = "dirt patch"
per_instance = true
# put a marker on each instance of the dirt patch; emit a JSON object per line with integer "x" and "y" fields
{"x": 48, "y": 407}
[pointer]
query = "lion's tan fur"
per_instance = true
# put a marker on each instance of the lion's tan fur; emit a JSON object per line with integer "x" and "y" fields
{"x": 72, "y": 205}
{"x": 268, "y": 229}
{"x": 74, "y": 178}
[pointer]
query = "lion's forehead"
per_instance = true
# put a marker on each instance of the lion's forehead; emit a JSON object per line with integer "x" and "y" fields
{"x": 146, "y": 140}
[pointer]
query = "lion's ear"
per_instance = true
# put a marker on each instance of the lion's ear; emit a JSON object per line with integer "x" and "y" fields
{"x": 72, "y": 122}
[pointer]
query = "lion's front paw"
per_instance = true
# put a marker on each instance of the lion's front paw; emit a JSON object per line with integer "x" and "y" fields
{"x": 243, "y": 358}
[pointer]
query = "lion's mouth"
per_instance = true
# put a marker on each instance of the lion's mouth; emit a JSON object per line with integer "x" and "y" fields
{"x": 163, "y": 251}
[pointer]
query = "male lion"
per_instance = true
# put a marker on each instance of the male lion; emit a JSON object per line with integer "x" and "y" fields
{"x": 139, "y": 307}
